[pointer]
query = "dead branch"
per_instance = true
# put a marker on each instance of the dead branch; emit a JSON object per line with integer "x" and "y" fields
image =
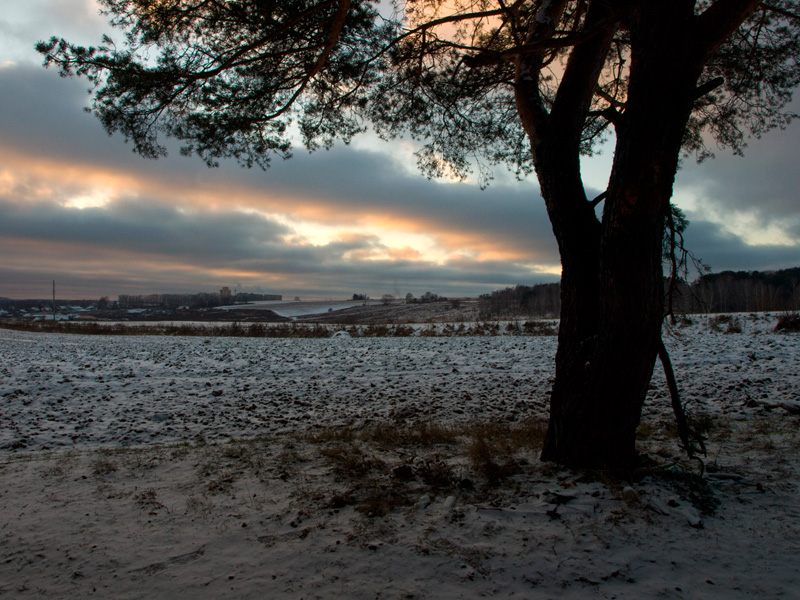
{"x": 687, "y": 435}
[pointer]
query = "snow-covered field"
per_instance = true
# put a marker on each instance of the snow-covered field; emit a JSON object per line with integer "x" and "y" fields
{"x": 166, "y": 467}
{"x": 297, "y": 308}
{"x": 89, "y": 391}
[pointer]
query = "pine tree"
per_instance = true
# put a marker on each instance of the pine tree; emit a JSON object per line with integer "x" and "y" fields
{"x": 530, "y": 84}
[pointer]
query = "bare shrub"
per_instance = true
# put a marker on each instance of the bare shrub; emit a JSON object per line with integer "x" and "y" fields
{"x": 402, "y": 331}
{"x": 789, "y": 323}
{"x": 415, "y": 434}
{"x": 494, "y": 447}
{"x": 731, "y": 324}
{"x": 378, "y": 500}
{"x": 350, "y": 461}
{"x": 103, "y": 466}
{"x": 435, "y": 472}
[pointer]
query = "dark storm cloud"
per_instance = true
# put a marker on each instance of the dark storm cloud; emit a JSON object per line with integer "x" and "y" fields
{"x": 43, "y": 114}
{"x": 723, "y": 251}
{"x": 352, "y": 182}
{"x": 360, "y": 183}
{"x": 762, "y": 189}
{"x": 143, "y": 228}
{"x": 764, "y": 183}
{"x": 162, "y": 245}
{"x": 346, "y": 184}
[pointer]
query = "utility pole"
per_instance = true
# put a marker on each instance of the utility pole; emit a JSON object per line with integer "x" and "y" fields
{"x": 54, "y": 299}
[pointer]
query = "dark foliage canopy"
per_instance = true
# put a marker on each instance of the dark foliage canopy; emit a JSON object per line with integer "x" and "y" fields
{"x": 242, "y": 78}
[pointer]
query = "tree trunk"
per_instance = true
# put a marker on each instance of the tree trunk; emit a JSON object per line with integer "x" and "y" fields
{"x": 602, "y": 374}
{"x": 612, "y": 286}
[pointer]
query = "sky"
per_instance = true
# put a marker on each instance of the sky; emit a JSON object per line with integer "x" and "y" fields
{"x": 78, "y": 207}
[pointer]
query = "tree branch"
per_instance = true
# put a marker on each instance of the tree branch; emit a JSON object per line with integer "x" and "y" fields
{"x": 781, "y": 11}
{"x": 599, "y": 199}
{"x": 610, "y": 99}
{"x": 708, "y": 87}
{"x": 583, "y": 69}
{"x": 610, "y": 114}
{"x": 684, "y": 431}
{"x": 337, "y": 24}
{"x": 720, "y": 20}
{"x": 489, "y": 57}
{"x": 455, "y": 19}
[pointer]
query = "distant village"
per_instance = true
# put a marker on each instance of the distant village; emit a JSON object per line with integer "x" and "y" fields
{"x": 126, "y": 305}
{"x": 225, "y": 297}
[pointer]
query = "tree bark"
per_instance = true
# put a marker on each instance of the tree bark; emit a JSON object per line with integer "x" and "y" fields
{"x": 612, "y": 285}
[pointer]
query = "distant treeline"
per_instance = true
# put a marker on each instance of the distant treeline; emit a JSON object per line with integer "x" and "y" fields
{"x": 728, "y": 291}
{"x": 542, "y": 300}
{"x": 741, "y": 291}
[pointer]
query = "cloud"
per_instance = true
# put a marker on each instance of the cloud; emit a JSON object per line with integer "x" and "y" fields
{"x": 147, "y": 229}
{"x": 343, "y": 186}
{"x": 184, "y": 220}
{"x": 723, "y": 251}
{"x": 752, "y": 194}
{"x": 22, "y": 24}
{"x": 182, "y": 248}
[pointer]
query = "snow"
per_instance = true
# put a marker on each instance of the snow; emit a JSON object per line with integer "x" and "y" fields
{"x": 295, "y": 309}
{"x": 89, "y": 391}
{"x": 185, "y": 468}
{"x": 301, "y": 309}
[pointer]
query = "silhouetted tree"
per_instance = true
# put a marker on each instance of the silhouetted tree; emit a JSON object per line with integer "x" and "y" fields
{"x": 531, "y": 84}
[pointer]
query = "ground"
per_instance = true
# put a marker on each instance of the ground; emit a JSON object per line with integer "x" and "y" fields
{"x": 403, "y": 468}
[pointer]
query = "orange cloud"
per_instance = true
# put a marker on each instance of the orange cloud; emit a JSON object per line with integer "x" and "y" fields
{"x": 81, "y": 184}
{"x": 406, "y": 254}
